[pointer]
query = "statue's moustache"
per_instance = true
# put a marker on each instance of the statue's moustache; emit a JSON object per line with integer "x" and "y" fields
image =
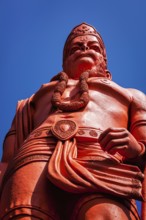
{"x": 85, "y": 54}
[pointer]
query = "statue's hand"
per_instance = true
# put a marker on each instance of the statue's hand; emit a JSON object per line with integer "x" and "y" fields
{"x": 120, "y": 140}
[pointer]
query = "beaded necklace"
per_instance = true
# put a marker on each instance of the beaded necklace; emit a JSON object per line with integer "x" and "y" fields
{"x": 60, "y": 88}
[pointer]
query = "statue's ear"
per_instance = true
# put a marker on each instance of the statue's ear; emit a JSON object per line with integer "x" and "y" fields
{"x": 108, "y": 75}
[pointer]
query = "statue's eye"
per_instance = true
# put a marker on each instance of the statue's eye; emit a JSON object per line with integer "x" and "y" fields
{"x": 74, "y": 49}
{"x": 96, "y": 48}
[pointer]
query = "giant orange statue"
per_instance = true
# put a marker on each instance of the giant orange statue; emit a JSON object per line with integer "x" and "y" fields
{"x": 76, "y": 148}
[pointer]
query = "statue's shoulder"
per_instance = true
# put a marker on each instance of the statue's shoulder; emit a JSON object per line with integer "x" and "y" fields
{"x": 138, "y": 97}
{"x": 134, "y": 96}
{"x": 47, "y": 87}
{"x": 136, "y": 93}
{"x": 45, "y": 90}
{"x": 111, "y": 87}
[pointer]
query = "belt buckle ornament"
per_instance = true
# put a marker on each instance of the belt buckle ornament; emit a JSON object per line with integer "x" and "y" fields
{"x": 64, "y": 129}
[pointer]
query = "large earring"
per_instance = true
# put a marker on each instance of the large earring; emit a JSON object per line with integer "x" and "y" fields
{"x": 108, "y": 74}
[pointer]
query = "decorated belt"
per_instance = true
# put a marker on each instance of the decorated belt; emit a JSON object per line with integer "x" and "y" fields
{"x": 66, "y": 129}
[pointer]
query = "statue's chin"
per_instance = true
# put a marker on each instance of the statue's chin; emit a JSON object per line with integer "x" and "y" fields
{"x": 82, "y": 67}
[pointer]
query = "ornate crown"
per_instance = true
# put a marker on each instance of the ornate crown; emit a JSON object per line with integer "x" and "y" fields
{"x": 81, "y": 30}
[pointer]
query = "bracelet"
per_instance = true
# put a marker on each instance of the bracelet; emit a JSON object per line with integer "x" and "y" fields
{"x": 140, "y": 154}
{"x": 142, "y": 149}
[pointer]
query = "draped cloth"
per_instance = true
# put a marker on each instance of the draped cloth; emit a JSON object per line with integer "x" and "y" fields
{"x": 77, "y": 168}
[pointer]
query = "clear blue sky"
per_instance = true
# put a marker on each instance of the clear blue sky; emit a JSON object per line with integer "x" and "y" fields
{"x": 32, "y": 35}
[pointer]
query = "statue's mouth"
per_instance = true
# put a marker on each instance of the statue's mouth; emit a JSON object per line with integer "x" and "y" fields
{"x": 84, "y": 55}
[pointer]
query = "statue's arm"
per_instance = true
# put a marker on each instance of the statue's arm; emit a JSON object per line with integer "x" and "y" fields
{"x": 9, "y": 145}
{"x": 8, "y": 150}
{"x": 129, "y": 141}
{"x": 137, "y": 118}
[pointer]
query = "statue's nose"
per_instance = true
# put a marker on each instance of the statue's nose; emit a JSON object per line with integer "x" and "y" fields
{"x": 84, "y": 47}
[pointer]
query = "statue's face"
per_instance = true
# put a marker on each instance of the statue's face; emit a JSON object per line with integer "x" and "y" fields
{"x": 84, "y": 54}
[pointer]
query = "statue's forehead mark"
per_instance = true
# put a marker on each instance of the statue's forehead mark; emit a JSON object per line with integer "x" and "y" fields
{"x": 86, "y": 38}
{"x": 83, "y": 38}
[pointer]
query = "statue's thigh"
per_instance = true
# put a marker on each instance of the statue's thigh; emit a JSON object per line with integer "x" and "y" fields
{"x": 104, "y": 209}
{"x": 28, "y": 191}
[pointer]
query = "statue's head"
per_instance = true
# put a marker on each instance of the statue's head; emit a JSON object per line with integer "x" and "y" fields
{"x": 84, "y": 50}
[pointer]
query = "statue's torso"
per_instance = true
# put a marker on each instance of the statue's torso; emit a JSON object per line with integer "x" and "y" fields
{"x": 108, "y": 106}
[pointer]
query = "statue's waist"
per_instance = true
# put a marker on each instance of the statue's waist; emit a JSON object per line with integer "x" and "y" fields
{"x": 66, "y": 129}
{"x": 81, "y": 133}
